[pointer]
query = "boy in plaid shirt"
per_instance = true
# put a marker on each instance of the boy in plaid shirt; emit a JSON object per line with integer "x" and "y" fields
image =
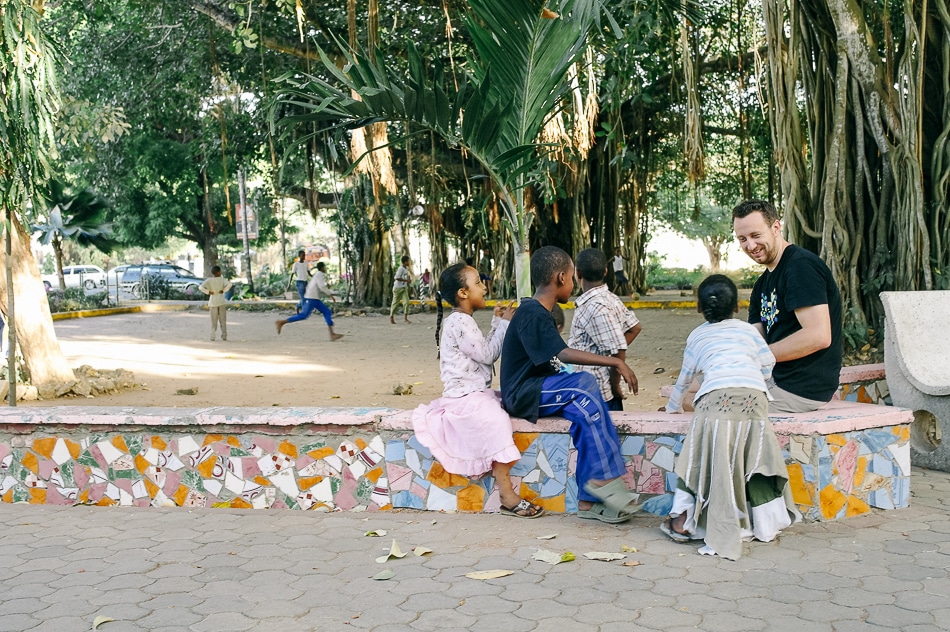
{"x": 602, "y": 324}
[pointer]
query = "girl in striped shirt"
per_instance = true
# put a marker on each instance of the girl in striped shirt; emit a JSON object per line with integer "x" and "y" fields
{"x": 733, "y": 483}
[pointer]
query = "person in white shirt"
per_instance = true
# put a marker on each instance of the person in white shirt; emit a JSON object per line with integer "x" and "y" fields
{"x": 733, "y": 482}
{"x": 301, "y": 270}
{"x": 316, "y": 288}
{"x": 215, "y": 286}
{"x": 401, "y": 290}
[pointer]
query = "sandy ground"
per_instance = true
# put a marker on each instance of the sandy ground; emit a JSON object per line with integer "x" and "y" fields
{"x": 169, "y": 351}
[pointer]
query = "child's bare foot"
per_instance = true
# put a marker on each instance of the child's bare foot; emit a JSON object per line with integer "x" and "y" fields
{"x": 392, "y": 321}
{"x": 408, "y": 321}
{"x": 280, "y": 325}
{"x": 335, "y": 337}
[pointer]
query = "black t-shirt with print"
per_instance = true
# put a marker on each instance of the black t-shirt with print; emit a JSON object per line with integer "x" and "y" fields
{"x": 801, "y": 279}
{"x": 531, "y": 342}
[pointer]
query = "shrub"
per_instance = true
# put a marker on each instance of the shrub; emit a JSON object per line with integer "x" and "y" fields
{"x": 75, "y": 299}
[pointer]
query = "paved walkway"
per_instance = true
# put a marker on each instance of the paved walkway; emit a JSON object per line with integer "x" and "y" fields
{"x": 205, "y": 570}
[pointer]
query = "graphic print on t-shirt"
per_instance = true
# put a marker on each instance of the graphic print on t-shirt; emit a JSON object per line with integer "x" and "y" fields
{"x": 769, "y": 310}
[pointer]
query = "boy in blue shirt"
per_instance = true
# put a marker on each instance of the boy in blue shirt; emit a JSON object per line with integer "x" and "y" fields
{"x": 532, "y": 387}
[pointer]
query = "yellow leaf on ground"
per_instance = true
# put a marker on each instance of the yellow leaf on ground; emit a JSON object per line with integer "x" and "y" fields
{"x": 489, "y": 574}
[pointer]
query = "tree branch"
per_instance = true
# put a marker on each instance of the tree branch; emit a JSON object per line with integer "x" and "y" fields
{"x": 230, "y": 22}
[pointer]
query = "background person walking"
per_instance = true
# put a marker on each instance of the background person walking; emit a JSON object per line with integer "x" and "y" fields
{"x": 401, "y": 290}
{"x": 301, "y": 272}
{"x": 215, "y": 286}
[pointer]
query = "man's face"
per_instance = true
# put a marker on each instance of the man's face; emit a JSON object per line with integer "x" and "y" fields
{"x": 758, "y": 239}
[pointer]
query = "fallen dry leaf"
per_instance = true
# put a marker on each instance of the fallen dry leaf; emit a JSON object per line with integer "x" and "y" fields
{"x": 489, "y": 574}
{"x": 630, "y": 563}
{"x": 546, "y": 537}
{"x": 376, "y": 533}
{"x": 551, "y": 557}
{"x": 421, "y": 550}
{"x": 603, "y": 556}
{"x": 383, "y": 575}
{"x": 394, "y": 551}
{"x": 628, "y": 549}
{"x": 100, "y": 620}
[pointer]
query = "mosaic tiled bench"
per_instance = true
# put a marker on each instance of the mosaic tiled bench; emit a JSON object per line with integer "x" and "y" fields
{"x": 842, "y": 461}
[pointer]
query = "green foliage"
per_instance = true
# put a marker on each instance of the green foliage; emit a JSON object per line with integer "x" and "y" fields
{"x": 674, "y": 278}
{"x": 272, "y": 284}
{"x": 75, "y": 299}
{"x": 29, "y": 98}
{"x": 80, "y": 217}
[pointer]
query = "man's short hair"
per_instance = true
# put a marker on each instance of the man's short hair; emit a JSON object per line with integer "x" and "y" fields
{"x": 591, "y": 264}
{"x": 546, "y": 262}
{"x": 405, "y": 259}
{"x": 321, "y": 266}
{"x": 215, "y": 269}
{"x": 756, "y": 206}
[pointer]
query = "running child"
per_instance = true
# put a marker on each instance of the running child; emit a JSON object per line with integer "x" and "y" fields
{"x": 532, "y": 387}
{"x": 733, "y": 483}
{"x": 466, "y": 429}
{"x": 316, "y": 287}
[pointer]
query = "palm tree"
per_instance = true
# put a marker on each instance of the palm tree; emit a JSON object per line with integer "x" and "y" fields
{"x": 80, "y": 217}
{"x": 29, "y": 100}
{"x": 514, "y": 82}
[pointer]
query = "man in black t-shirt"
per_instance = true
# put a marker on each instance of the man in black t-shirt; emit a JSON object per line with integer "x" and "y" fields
{"x": 796, "y": 306}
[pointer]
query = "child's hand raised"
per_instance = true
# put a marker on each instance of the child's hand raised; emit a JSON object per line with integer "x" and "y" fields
{"x": 505, "y": 311}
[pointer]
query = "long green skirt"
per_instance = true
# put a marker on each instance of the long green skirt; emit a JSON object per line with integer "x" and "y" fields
{"x": 733, "y": 479}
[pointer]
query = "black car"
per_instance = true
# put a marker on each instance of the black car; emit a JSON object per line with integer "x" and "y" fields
{"x": 142, "y": 280}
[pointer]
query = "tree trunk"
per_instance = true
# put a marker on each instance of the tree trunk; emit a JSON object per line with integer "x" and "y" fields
{"x": 42, "y": 357}
{"x": 58, "y": 253}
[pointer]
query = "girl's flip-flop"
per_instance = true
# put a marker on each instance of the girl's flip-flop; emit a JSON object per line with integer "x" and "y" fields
{"x": 523, "y": 509}
{"x": 676, "y": 536}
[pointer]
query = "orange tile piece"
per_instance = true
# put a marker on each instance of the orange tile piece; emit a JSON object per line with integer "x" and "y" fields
{"x": 286, "y": 447}
{"x": 860, "y": 469}
{"x": 320, "y": 453}
{"x": 105, "y": 501}
{"x": 471, "y": 498}
{"x": 74, "y": 448}
{"x": 84, "y": 496}
{"x": 181, "y": 495}
{"x": 863, "y": 396}
{"x": 523, "y": 440}
{"x": 441, "y": 478}
{"x": 260, "y": 480}
{"x": 835, "y": 439}
{"x": 30, "y": 462}
{"x": 212, "y": 438}
{"x": 44, "y": 447}
{"x": 141, "y": 464}
{"x": 800, "y": 489}
{"x": 831, "y": 501}
{"x": 856, "y": 507}
{"x": 527, "y": 493}
{"x": 240, "y": 503}
{"x": 8, "y": 497}
{"x": 119, "y": 443}
{"x": 388, "y": 507}
{"x": 320, "y": 506}
{"x": 158, "y": 443}
{"x": 234, "y": 441}
{"x": 374, "y": 474}
{"x": 206, "y": 467}
{"x": 555, "y": 503}
{"x": 903, "y": 432}
{"x": 37, "y": 496}
{"x": 151, "y": 488}
{"x": 360, "y": 443}
{"x": 308, "y": 482}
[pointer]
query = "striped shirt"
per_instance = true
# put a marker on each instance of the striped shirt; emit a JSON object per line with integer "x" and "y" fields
{"x": 729, "y": 354}
{"x": 600, "y": 322}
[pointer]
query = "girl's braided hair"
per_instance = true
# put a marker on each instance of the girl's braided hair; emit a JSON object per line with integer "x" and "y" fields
{"x": 451, "y": 281}
{"x": 718, "y": 298}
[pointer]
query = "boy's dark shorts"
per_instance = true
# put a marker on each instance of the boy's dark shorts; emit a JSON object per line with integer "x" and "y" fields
{"x": 620, "y": 276}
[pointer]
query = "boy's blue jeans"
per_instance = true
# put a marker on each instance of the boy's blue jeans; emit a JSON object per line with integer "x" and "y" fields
{"x": 310, "y": 304}
{"x": 576, "y": 397}
{"x": 301, "y": 288}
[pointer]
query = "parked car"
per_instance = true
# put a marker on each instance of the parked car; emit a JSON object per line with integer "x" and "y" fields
{"x": 114, "y": 276}
{"x": 89, "y": 277}
{"x": 174, "y": 277}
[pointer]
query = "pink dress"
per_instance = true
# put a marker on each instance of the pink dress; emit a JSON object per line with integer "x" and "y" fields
{"x": 467, "y": 429}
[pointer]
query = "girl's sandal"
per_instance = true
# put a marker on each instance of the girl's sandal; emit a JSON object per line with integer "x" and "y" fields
{"x": 676, "y": 536}
{"x": 523, "y": 509}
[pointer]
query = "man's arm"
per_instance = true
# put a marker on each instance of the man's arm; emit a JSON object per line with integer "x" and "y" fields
{"x": 814, "y": 335}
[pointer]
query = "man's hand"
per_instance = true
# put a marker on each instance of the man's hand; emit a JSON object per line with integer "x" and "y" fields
{"x": 505, "y": 311}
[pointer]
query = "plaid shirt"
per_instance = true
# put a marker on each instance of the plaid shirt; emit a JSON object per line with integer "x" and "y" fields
{"x": 600, "y": 321}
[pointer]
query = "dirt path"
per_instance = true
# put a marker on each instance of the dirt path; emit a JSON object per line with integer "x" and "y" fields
{"x": 169, "y": 351}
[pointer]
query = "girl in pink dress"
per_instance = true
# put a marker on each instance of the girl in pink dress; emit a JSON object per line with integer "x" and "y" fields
{"x": 466, "y": 429}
